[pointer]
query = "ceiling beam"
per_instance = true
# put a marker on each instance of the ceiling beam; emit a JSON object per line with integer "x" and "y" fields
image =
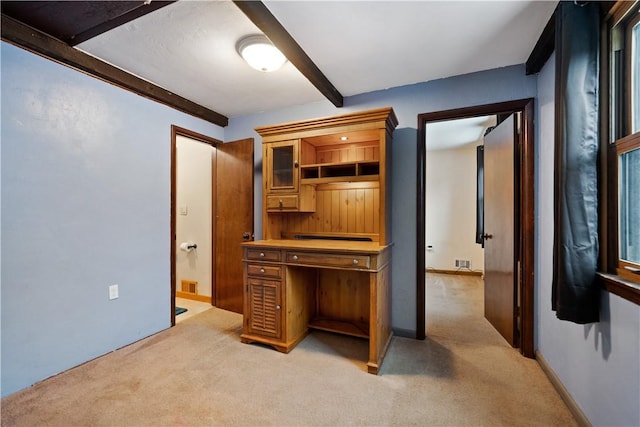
{"x": 35, "y": 41}
{"x": 260, "y": 15}
{"x": 110, "y": 24}
{"x": 543, "y": 49}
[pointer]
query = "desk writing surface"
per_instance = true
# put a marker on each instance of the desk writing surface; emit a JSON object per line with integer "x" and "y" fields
{"x": 321, "y": 245}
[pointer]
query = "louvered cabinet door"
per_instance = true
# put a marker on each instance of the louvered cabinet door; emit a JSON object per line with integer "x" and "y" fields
{"x": 265, "y": 309}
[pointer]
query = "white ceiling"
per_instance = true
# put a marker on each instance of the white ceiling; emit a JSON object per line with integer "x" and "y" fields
{"x": 453, "y": 134}
{"x": 361, "y": 46}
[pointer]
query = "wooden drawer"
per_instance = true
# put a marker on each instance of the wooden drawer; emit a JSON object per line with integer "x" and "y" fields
{"x": 355, "y": 261}
{"x": 262, "y": 270}
{"x": 263, "y": 254}
{"x": 289, "y": 202}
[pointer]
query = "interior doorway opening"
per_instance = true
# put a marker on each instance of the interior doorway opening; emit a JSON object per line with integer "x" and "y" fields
{"x": 230, "y": 216}
{"x": 454, "y": 257}
{"x": 524, "y": 210}
{"x": 193, "y": 225}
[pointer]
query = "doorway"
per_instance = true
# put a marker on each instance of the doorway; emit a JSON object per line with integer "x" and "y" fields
{"x": 227, "y": 205}
{"x": 194, "y": 224}
{"x": 524, "y": 197}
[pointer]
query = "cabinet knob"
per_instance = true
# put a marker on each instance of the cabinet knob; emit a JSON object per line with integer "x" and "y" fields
{"x": 296, "y": 164}
{"x": 277, "y": 307}
{"x": 262, "y": 270}
{"x": 262, "y": 254}
{"x": 295, "y": 257}
{"x": 280, "y": 203}
{"x": 355, "y": 262}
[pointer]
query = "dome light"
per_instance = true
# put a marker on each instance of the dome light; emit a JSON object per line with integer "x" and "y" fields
{"x": 260, "y": 53}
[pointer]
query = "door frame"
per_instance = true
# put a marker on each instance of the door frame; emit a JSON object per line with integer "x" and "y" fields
{"x": 525, "y": 206}
{"x": 175, "y": 132}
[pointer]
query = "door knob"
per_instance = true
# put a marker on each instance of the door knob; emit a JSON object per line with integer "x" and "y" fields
{"x": 486, "y": 236}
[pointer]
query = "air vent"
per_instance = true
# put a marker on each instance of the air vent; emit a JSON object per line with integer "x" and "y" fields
{"x": 463, "y": 263}
{"x": 189, "y": 286}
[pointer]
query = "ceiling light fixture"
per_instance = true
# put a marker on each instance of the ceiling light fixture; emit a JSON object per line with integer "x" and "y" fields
{"x": 260, "y": 53}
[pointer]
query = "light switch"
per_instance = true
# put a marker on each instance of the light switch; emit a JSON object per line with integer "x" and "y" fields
{"x": 184, "y": 210}
{"x": 113, "y": 291}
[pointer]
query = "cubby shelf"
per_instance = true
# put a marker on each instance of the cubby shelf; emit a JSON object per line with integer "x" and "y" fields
{"x": 336, "y": 172}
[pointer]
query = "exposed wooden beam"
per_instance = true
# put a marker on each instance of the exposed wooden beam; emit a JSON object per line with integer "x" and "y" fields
{"x": 110, "y": 24}
{"x": 35, "y": 41}
{"x": 543, "y": 49}
{"x": 258, "y": 13}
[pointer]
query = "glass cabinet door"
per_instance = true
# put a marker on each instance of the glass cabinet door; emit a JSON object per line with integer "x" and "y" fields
{"x": 283, "y": 158}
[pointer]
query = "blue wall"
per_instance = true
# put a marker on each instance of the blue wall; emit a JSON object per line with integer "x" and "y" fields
{"x": 85, "y": 204}
{"x": 599, "y": 364}
{"x": 486, "y": 87}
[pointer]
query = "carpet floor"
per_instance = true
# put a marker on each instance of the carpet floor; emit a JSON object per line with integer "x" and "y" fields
{"x": 198, "y": 373}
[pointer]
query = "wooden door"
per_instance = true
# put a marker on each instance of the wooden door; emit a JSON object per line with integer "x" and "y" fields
{"x": 234, "y": 220}
{"x": 499, "y": 230}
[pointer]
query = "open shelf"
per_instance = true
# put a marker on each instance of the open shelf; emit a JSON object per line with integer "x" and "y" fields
{"x": 335, "y": 172}
{"x": 359, "y": 329}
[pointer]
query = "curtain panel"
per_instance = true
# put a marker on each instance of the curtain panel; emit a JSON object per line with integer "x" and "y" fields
{"x": 575, "y": 292}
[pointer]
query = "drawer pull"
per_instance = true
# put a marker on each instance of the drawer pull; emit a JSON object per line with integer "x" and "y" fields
{"x": 295, "y": 257}
{"x": 262, "y": 254}
{"x": 280, "y": 203}
{"x": 262, "y": 270}
{"x": 277, "y": 307}
{"x": 355, "y": 262}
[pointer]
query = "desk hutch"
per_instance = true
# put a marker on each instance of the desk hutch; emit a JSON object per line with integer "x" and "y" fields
{"x": 325, "y": 258}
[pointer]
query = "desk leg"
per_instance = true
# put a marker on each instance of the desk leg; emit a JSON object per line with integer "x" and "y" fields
{"x": 379, "y": 317}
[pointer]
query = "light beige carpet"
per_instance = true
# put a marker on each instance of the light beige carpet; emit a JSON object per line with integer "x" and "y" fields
{"x": 199, "y": 374}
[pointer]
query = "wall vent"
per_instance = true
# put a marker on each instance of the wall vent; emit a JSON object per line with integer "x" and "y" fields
{"x": 463, "y": 263}
{"x": 189, "y": 286}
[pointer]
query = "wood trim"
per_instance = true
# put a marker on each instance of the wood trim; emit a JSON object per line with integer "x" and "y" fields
{"x": 618, "y": 285}
{"x": 421, "y": 177}
{"x": 543, "y": 49}
{"x": 214, "y": 224}
{"x": 175, "y": 131}
{"x": 527, "y": 230}
{"x": 380, "y": 118}
{"x": 574, "y": 408}
{"x": 616, "y": 11}
{"x": 187, "y": 295}
{"x": 42, "y": 44}
{"x": 454, "y": 272}
{"x": 260, "y": 15}
{"x": 526, "y": 207}
{"x": 172, "y": 226}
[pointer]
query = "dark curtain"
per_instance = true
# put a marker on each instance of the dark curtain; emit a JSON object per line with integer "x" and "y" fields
{"x": 575, "y": 293}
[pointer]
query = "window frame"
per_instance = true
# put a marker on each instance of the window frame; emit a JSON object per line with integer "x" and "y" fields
{"x": 616, "y": 139}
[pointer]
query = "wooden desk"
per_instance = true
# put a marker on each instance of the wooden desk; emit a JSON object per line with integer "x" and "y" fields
{"x": 338, "y": 286}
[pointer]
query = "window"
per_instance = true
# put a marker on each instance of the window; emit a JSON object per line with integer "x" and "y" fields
{"x": 621, "y": 207}
{"x": 628, "y": 154}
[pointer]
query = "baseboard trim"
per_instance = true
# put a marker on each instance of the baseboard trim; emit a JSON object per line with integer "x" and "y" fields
{"x": 187, "y": 295}
{"x": 459, "y": 272}
{"x": 404, "y": 333}
{"x": 575, "y": 410}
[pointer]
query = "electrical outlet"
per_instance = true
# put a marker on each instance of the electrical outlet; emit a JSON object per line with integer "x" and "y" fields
{"x": 113, "y": 292}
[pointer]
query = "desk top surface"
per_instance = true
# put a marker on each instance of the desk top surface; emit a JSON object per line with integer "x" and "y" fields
{"x": 320, "y": 245}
